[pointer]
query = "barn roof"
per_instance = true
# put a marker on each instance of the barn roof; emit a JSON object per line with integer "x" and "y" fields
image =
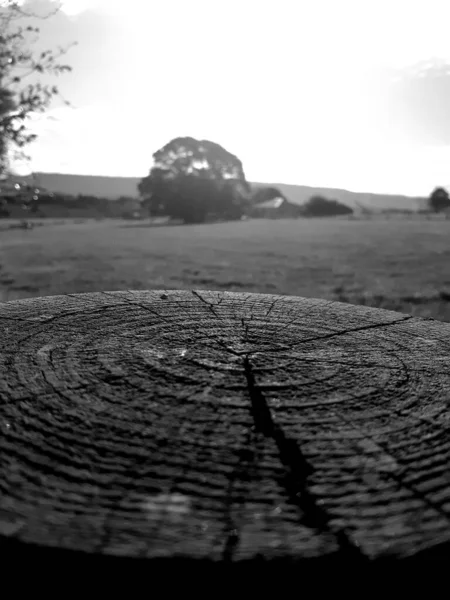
{"x": 268, "y": 204}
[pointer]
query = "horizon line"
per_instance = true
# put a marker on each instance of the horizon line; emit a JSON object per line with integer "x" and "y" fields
{"x": 269, "y": 183}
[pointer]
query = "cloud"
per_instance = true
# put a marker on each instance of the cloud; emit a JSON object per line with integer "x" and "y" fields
{"x": 93, "y": 139}
{"x": 68, "y": 7}
{"x": 414, "y": 103}
{"x": 75, "y": 7}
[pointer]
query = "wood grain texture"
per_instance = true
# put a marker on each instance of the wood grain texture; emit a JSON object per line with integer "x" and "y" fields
{"x": 222, "y": 427}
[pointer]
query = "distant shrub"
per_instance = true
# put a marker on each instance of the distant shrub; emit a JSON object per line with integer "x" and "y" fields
{"x": 439, "y": 200}
{"x": 319, "y": 206}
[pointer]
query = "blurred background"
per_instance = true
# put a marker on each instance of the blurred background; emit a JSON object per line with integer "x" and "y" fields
{"x": 286, "y": 147}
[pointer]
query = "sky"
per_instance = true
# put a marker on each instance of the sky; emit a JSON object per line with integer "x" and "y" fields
{"x": 352, "y": 94}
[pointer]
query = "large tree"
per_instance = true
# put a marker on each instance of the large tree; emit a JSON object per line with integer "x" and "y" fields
{"x": 193, "y": 179}
{"x": 22, "y": 91}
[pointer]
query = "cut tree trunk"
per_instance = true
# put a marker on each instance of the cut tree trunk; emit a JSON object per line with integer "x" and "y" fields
{"x": 221, "y": 427}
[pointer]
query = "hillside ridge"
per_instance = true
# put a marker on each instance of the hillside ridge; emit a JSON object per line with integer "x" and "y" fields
{"x": 114, "y": 187}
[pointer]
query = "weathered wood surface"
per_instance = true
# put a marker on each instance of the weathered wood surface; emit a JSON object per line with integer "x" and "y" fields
{"x": 222, "y": 426}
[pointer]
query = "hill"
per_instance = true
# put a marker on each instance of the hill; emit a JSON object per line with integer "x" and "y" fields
{"x": 89, "y": 185}
{"x": 299, "y": 194}
{"x": 114, "y": 187}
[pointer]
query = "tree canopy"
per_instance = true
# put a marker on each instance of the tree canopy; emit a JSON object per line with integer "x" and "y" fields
{"x": 193, "y": 179}
{"x": 22, "y": 93}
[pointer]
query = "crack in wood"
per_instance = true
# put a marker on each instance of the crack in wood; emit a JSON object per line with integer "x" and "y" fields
{"x": 344, "y": 332}
{"x": 298, "y": 469}
{"x": 246, "y": 456}
{"x": 208, "y": 304}
{"x": 439, "y": 508}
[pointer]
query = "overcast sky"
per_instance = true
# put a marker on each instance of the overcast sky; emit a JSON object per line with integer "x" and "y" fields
{"x": 336, "y": 93}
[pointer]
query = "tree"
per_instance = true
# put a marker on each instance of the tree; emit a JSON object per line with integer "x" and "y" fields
{"x": 319, "y": 206}
{"x": 439, "y": 200}
{"x": 193, "y": 179}
{"x": 22, "y": 93}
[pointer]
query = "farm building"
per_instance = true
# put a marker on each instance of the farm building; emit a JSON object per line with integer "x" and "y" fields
{"x": 131, "y": 208}
{"x": 276, "y": 208}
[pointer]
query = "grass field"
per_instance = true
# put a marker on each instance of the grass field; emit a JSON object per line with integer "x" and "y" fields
{"x": 397, "y": 264}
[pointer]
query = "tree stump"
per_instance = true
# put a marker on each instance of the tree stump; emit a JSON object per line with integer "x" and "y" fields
{"x": 221, "y": 428}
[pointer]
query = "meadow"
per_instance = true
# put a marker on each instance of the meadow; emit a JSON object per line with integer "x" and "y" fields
{"x": 399, "y": 264}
